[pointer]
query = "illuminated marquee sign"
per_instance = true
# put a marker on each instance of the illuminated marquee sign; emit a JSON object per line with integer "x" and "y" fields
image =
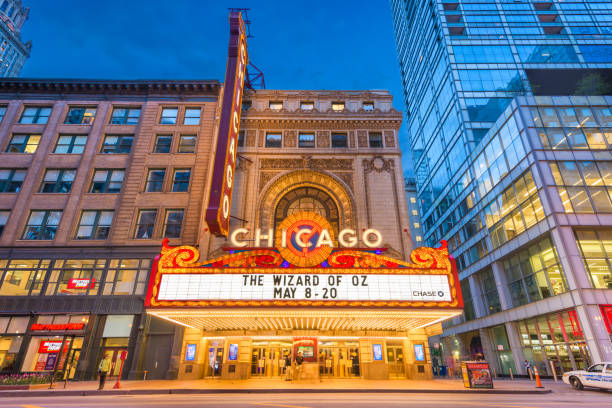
{"x": 297, "y": 274}
{"x": 222, "y": 179}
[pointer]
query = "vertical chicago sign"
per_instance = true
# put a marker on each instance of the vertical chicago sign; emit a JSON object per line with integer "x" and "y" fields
{"x": 222, "y": 179}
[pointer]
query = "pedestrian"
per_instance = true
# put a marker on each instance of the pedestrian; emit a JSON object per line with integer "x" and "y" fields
{"x": 298, "y": 361}
{"x": 527, "y": 367}
{"x": 288, "y": 367}
{"x": 103, "y": 369}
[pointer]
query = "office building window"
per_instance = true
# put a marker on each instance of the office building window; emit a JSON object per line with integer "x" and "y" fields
{"x": 419, "y": 238}
{"x": 107, "y": 181}
{"x": 337, "y": 106}
{"x": 126, "y": 277}
{"x": 180, "y": 181}
{"x": 57, "y": 181}
{"x": 339, "y": 140}
{"x": 163, "y": 143}
{"x": 11, "y": 180}
{"x": 95, "y": 224}
{"x": 246, "y": 104}
{"x": 2, "y": 112}
{"x": 274, "y": 140}
{"x": 534, "y": 273}
{"x": 23, "y": 277}
{"x": 23, "y": 144}
{"x": 596, "y": 249}
{"x": 490, "y": 297}
{"x": 117, "y": 144}
{"x": 4, "y": 215}
{"x": 173, "y": 223}
{"x": 74, "y": 144}
{"x": 275, "y": 105}
{"x": 155, "y": 180}
{"x": 468, "y": 303}
{"x": 306, "y": 105}
{"x": 35, "y": 115}
{"x": 125, "y": 116}
{"x": 584, "y": 186}
{"x": 187, "y": 144}
{"x": 64, "y": 270}
{"x": 306, "y": 140}
{"x": 168, "y": 116}
{"x": 192, "y": 116}
{"x": 80, "y": 116}
{"x": 368, "y": 106}
{"x": 145, "y": 224}
{"x": 42, "y": 224}
{"x": 375, "y": 139}
{"x": 241, "y": 138}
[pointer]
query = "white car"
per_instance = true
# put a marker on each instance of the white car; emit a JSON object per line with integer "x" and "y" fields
{"x": 598, "y": 375}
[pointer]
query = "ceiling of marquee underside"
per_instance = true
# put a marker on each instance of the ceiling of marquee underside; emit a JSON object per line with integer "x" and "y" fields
{"x": 288, "y": 319}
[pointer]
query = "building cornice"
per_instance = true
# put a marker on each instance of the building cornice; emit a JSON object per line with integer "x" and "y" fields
{"x": 84, "y": 86}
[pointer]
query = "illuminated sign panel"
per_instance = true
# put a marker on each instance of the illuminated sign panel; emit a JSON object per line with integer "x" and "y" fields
{"x": 222, "y": 179}
{"x": 57, "y": 327}
{"x": 49, "y": 346}
{"x": 320, "y": 286}
{"x": 74, "y": 283}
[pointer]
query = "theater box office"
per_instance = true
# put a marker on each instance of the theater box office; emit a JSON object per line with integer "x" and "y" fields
{"x": 349, "y": 312}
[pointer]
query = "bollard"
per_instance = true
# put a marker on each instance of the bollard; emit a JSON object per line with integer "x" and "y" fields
{"x": 511, "y": 375}
{"x": 552, "y": 366}
{"x": 530, "y": 374}
{"x": 537, "y": 376}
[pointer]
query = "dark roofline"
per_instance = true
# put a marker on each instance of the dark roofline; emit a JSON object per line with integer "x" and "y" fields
{"x": 38, "y": 85}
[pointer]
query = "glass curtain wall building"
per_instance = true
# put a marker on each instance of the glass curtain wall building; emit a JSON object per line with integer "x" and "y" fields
{"x": 514, "y": 178}
{"x": 13, "y": 50}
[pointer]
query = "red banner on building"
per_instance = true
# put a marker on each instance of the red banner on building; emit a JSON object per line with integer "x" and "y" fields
{"x": 50, "y": 346}
{"x": 224, "y": 165}
{"x": 76, "y": 283}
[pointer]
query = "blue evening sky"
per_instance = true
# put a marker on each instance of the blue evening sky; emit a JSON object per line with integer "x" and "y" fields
{"x": 315, "y": 44}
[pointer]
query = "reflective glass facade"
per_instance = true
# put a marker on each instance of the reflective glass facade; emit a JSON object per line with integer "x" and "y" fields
{"x": 505, "y": 174}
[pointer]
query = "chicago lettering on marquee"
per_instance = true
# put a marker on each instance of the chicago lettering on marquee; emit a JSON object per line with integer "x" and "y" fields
{"x": 224, "y": 165}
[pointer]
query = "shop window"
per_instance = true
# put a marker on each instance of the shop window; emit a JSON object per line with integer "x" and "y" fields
{"x": 95, "y": 224}
{"x": 80, "y": 115}
{"x": 168, "y": 116}
{"x": 9, "y": 348}
{"x": 145, "y": 224}
{"x": 274, "y": 140}
{"x": 75, "y": 277}
{"x": 70, "y": 144}
{"x": 187, "y": 144}
{"x": 23, "y": 277}
{"x": 375, "y": 139}
{"x": 306, "y": 140}
{"x": 163, "y": 144}
{"x": 125, "y": 116}
{"x": 42, "y": 224}
{"x": 35, "y": 115}
{"x": 23, "y": 144}
{"x": 155, "y": 180}
{"x": 192, "y": 116}
{"x": 126, "y": 277}
{"x": 57, "y": 181}
{"x": 339, "y": 140}
{"x": 180, "y": 181}
{"x": 173, "y": 223}
{"x": 11, "y": 180}
{"x": 117, "y": 144}
{"x": 118, "y": 326}
{"x": 107, "y": 181}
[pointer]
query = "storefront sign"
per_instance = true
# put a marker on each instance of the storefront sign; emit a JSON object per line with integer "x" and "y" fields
{"x": 299, "y": 286}
{"x": 57, "y": 327}
{"x": 81, "y": 283}
{"x": 190, "y": 352}
{"x": 377, "y": 352}
{"x": 49, "y": 347}
{"x": 222, "y": 179}
{"x": 233, "y": 352}
{"x": 51, "y": 360}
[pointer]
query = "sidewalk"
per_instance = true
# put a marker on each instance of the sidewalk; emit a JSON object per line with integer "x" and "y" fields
{"x": 262, "y": 386}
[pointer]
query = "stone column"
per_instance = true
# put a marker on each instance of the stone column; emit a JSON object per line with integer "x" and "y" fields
{"x": 516, "y": 345}
{"x": 488, "y": 349}
{"x": 479, "y": 307}
{"x": 502, "y": 285}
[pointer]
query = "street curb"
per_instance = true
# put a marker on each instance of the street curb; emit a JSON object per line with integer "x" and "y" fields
{"x": 81, "y": 393}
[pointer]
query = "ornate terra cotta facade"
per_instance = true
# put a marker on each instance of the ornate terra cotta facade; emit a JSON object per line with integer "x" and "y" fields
{"x": 312, "y": 165}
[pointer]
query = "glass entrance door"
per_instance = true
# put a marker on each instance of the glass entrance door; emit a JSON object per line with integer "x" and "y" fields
{"x": 215, "y": 361}
{"x": 338, "y": 359}
{"x": 268, "y": 358}
{"x": 395, "y": 359}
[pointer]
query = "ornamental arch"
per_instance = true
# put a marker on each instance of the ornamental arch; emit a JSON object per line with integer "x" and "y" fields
{"x": 328, "y": 194}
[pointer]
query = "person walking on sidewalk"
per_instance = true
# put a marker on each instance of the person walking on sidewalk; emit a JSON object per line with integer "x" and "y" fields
{"x": 103, "y": 369}
{"x": 288, "y": 367}
{"x": 298, "y": 365}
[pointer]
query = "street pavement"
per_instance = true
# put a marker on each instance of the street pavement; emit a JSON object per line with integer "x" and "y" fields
{"x": 558, "y": 399}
